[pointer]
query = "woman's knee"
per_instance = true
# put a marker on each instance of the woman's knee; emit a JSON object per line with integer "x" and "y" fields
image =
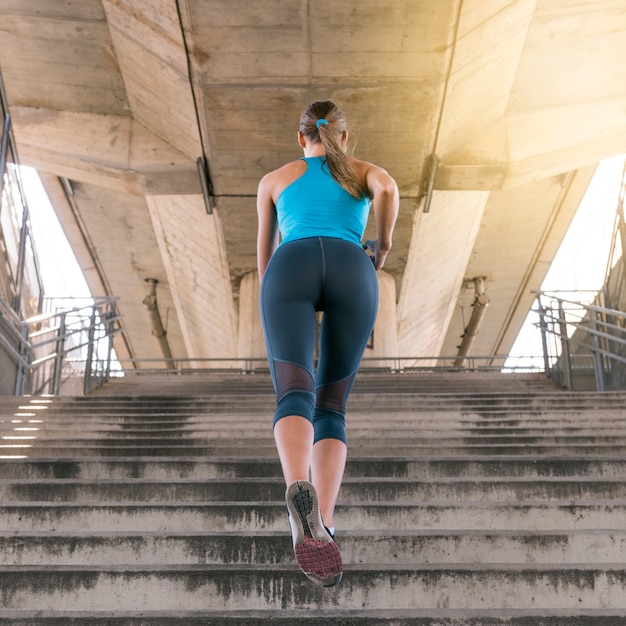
{"x": 329, "y": 425}
{"x": 295, "y": 402}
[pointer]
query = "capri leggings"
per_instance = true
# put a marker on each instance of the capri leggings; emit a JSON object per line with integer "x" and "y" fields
{"x": 303, "y": 277}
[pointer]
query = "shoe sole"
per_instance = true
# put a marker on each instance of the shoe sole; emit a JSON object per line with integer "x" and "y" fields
{"x": 316, "y": 552}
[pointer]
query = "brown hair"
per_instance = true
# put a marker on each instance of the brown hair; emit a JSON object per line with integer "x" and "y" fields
{"x": 330, "y": 135}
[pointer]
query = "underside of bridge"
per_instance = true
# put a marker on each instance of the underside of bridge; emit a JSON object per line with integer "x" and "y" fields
{"x": 491, "y": 115}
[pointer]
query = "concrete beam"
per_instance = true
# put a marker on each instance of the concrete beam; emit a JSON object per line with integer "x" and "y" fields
{"x": 534, "y": 91}
{"x": 489, "y": 43}
{"x": 150, "y": 50}
{"x": 110, "y": 151}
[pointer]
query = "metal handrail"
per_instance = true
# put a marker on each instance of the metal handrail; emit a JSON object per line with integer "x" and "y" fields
{"x": 581, "y": 340}
{"x": 177, "y": 366}
{"x": 43, "y": 347}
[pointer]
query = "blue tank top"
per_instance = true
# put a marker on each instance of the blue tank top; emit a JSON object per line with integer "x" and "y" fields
{"x": 316, "y": 205}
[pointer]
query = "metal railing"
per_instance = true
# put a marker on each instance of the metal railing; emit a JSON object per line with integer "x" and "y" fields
{"x": 584, "y": 343}
{"x": 25, "y": 287}
{"x": 62, "y": 346}
{"x": 396, "y": 364}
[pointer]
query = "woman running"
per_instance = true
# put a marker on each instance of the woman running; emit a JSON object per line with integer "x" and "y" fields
{"x": 320, "y": 205}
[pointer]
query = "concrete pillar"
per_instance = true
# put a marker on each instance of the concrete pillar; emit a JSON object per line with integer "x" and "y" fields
{"x": 384, "y": 339}
{"x": 251, "y": 342}
{"x": 384, "y": 344}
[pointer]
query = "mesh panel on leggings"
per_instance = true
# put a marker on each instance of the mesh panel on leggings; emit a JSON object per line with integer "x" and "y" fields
{"x": 291, "y": 377}
{"x": 294, "y": 391}
{"x": 334, "y": 396}
{"x": 330, "y": 411}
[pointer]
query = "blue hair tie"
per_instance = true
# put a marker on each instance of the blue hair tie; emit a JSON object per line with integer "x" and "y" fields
{"x": 320, "y": 122}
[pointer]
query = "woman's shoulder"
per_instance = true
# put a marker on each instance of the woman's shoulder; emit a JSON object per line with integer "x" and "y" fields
{"x": 363, "y": 167}
{"x": 365, "y": 170}
{"x": 374, "y": 176}
{"x": 284, "y": 171}
{"x": 276, "y": 180}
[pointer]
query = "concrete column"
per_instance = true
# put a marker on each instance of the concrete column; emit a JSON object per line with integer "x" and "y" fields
{"x": 384, "y": 342}
{"x": 251, "y": 342}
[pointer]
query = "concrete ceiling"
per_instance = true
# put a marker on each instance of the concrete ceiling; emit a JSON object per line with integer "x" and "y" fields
{"x": 118, "y": 99}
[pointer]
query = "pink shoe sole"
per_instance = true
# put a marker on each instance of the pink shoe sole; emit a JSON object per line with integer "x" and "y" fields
{"x": 316, "y": 552}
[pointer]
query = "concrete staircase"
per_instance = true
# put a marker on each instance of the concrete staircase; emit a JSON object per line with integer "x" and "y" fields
{"x": 499, "y": 499}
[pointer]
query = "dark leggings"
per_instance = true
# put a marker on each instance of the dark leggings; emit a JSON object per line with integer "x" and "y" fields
{"x": 302, "y": 277}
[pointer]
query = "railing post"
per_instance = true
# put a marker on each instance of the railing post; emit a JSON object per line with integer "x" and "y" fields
{"x": 58, "y": 359}
{"x": 566, "y": 356}
{"x": 20, "y": 374}
{"x": 88, "y": 364}
{"x": 21, "y": 255}
{"x": 109, "y": 335}
{"x": 4, "y": 150}
{"x": 543, "y": 328}
{"x": 598, "y": 366}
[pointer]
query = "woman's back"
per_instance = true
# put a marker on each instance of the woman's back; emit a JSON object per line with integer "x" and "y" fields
{"x": 316, "y": 205}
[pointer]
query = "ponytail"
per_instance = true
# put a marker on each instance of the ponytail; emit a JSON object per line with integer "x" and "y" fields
{"x": 323, "y": 121}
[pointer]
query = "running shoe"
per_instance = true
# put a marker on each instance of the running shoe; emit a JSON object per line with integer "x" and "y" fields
{"x": 316, "y": 552}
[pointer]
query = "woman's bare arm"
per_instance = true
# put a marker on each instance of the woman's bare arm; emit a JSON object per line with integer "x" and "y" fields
{"x": 386, "y": 202}
{"x": 267, "y": 233}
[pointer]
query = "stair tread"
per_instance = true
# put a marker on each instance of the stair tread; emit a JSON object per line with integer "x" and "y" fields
{"x": 410, "y": 588}
{"x": 355, "y": 567}
{"x": 342, "y": 533}
{"x": 286, "y": 614}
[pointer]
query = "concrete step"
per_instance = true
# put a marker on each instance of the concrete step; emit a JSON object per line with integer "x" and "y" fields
{"x": 176, "y": 468}
{"x": 358, "y": 428}
{"x": 182, "y": 516}
{"x": 359, "y": 399}
{"x": 362, "y": 401}
{"x": 357, "y": 547}
{"x": 277, "y": 587}
{"x": 268, "y": 450}
{"x": 416, "y": 381}
{"x": 134, "y": 411}
{"x": 253, "y": 428}
{"x": 390, "y": 441}
{"x": 322, "y": 617}
{"x": 445, "y": 490}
